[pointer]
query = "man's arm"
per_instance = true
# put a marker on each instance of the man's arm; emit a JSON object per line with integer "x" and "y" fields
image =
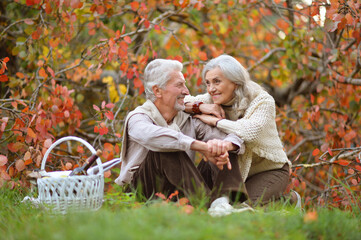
{"x": 205, "y": 133}
{"x": 159, "y": 139}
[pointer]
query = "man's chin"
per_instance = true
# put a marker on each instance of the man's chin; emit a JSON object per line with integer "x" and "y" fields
{"x": 179, "y": 107}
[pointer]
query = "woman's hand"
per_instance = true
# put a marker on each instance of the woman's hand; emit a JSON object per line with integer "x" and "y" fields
{"x": 212, "y": 109}
{"x": 208, "y": 119}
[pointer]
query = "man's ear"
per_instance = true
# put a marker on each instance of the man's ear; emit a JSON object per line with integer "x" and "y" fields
{"x": 157, "y": 91}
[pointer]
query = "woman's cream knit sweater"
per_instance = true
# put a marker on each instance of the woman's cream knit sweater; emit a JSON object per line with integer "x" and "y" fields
{"x": 264, "y": 150}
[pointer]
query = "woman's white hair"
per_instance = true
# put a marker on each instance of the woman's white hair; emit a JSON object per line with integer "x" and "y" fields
{"x": 158, "y": 72}
{"x": 233, "y": 70}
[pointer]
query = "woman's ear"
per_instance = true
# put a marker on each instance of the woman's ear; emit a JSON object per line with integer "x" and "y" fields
{"x": 157, "y": 91}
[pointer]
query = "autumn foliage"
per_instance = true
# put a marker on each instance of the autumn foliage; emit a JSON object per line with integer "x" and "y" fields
{"x": 74, "y": 67}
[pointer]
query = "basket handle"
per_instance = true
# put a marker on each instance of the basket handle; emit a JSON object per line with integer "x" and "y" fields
{"x": 90, "y": 147}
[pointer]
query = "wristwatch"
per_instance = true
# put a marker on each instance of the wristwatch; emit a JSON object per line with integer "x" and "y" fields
{"x": 195, "y": 107}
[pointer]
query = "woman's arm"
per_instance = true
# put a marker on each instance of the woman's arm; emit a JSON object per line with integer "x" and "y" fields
{"x": 250, "y": 128}
{"x": 206, "y": 107}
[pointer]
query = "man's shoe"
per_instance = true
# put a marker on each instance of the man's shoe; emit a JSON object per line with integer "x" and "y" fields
{"x": 296, "y": 199}
{"x": 221, "y": 207}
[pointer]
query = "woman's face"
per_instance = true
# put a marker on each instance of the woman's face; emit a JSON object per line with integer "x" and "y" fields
{"x": 219, "y": 87}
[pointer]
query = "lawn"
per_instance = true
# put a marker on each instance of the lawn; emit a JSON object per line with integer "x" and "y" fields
{"x": 122, "y": 218}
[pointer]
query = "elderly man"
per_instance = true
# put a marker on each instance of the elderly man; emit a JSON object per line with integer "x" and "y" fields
{"x": 160, "y": 140}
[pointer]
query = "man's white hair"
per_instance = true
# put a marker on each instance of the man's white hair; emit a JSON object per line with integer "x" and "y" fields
{"x": 159, "y": 72}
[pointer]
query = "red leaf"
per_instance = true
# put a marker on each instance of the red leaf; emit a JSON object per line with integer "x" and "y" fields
{"x": 96, "y": 108}
{"x": 29, "y": 2}
{"x": 15, "y": 147}
{"x": 343, "y": 162}
{"x": 103, "y": 130}
{"x": 146, "y": 24}
{"x": 6, "y": 59}
{"x": 19, "y": 165}
{"x": 76, "y": 4}
{"x": 109, "y": 115}
{"x": 51, "y": 71}
{"x": 350, "y": 135}
{"x": 315, "y": 152}
{"x": 110, "y": 105}
{"x": 96, "y": 129}
{"x": 29, "y": 21}
{"x": 3, "y": 160}
{"x": 4, "y": 78}
{"x": 127, "y": 39}
{"x": 5, "y": 176}
{"x": 80, "y": 149}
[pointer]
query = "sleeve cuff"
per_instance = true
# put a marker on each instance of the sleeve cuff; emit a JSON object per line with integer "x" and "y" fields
{"x": 236, "y": 141}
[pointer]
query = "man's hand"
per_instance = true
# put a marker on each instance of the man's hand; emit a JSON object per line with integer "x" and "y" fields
{"x": 215, "y": 151}
{"x": 218, "y": 149}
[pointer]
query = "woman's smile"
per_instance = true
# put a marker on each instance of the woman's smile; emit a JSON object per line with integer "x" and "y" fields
{"x": 219, "y": 87}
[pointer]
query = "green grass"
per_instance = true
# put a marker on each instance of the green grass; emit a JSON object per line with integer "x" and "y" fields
{"x": 121, "y": 218}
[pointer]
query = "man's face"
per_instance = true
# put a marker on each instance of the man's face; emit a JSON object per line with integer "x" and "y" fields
{"x": 175, "y": 91}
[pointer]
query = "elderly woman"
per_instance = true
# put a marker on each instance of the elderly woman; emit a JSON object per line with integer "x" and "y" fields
{"x": 236, "y": 104}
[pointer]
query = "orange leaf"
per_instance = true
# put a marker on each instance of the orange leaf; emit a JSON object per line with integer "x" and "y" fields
{"x": 6, "y": 59}
{"x": 27, "y": 162}
{"x": 134, "y": 5}
{"x": 310, "y": 216}
{"x": 42, "y": 73}
{"x": 203, "y": 56}
{"x": 183, "y": 201}
{"x": 161, "y": 195}
{"x": 15, "y": 147}
{"x": 349, "y": 19}
{"x": 31, "y": 133}
{"x": 188, "y": 209}
{"x": 27, "y": 156}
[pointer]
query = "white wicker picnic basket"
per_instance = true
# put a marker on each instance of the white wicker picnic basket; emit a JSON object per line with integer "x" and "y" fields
{"x": 63, "y": 194}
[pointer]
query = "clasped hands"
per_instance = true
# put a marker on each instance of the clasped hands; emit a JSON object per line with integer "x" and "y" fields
{"x": 217, "y": 153}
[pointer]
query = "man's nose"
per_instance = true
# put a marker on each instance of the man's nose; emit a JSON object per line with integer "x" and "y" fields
{"x": 185, "y": 91}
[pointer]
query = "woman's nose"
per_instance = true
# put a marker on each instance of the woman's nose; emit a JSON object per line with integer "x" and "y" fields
{"x": 212, "y": 88}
